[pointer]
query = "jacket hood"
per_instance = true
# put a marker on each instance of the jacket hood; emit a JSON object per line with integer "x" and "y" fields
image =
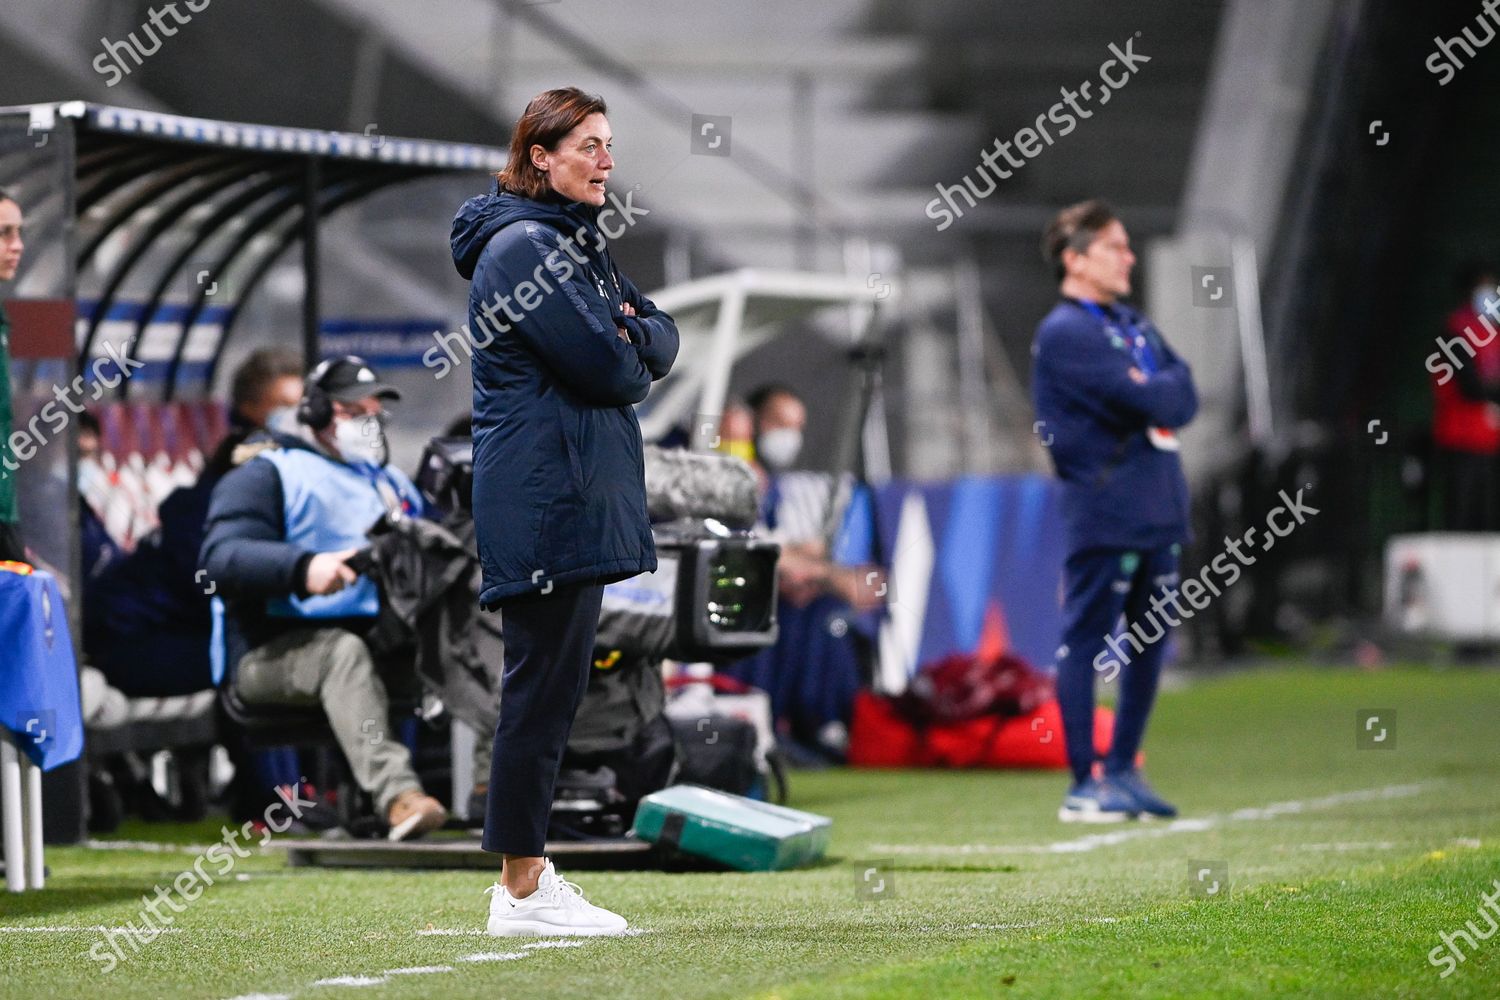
{"x": 484, "y": 215}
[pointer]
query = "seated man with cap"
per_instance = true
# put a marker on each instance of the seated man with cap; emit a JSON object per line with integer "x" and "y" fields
{"x": 281, "y": 526}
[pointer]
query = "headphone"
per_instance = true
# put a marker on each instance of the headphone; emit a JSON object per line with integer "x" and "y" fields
{"x": 315, "y": 409}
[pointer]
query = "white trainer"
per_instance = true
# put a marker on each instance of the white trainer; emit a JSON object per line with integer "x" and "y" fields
{"x": 557, "y": 908}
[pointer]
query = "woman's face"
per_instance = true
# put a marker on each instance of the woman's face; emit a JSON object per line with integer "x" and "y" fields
{"x": 579, "y": 166}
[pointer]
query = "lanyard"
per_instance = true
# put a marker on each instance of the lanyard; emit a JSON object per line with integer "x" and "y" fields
{"x": 389, "y": 493}
{"x": 1133, "y": 336}
{"x": 1134, "y": 340}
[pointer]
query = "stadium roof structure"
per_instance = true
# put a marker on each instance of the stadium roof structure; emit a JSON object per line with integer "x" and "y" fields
{"x": 724, "y": 316}
{"x": 159, "y": 212}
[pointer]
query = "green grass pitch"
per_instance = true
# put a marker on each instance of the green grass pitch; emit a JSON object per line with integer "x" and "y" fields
{"x": 1341, "y": 867}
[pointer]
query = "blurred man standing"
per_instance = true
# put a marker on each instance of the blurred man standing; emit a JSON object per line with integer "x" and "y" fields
{"x": 1110, "y": 395}
{"x": 11, "y": 246}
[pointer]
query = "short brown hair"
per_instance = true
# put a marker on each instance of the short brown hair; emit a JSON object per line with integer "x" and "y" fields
{"x": 256, "y": 374}
{"x": 550, "y": 116}
{"x": 1074, "y": 228}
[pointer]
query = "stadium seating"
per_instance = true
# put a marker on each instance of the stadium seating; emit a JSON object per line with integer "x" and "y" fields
{"x": 147, "y": 450}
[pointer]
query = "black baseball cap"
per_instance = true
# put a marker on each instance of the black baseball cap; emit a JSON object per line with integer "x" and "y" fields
{"x": 348, "y": 379}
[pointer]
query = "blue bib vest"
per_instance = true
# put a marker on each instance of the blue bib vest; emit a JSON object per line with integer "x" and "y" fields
{"x": 328, "y": 506}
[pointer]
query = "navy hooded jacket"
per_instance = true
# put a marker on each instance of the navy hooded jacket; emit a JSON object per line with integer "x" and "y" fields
{"x": 559, "y": 477}
{"x": 1119, "y": 490}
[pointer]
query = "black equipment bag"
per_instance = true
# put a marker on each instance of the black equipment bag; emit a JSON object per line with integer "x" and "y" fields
{"x": 718, "y": 751}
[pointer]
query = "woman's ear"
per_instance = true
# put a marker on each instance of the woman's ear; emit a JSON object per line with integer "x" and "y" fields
{"x": 539, "y": 157}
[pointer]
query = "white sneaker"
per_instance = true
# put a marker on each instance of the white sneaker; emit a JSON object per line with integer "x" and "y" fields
{"x": 556, "y": 908}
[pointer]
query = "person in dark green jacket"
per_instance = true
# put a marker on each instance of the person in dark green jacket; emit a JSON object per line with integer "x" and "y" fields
{"x": 10, "y": 259}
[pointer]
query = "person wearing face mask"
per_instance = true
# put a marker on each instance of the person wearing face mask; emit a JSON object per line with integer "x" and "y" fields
{"x": 814, "y": 670}
{"x": 147, "y": 625}
{"x": 281, "y": 528}
{"x": 264, "y": 393}
{"x": 146, "y": 619}
{"x": 1466, "y": 403}
{"x": 795, "y": 505}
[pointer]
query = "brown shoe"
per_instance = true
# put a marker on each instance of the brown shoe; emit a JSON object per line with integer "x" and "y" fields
{"x": 413, "y": 813}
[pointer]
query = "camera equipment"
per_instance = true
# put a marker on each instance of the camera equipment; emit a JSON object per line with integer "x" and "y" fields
{"x": 446, "y": 473}
{"x": 713, "y": 595}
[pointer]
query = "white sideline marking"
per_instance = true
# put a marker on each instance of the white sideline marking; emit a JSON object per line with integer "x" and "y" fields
{"x": 352, "y": 981}
{"x": 549, "y": 943}
{"x": 263, "y": 996}
{"x": 418, "y": 970}
{"x": 1043, "y": 923}
{"x": 494, "y": 956}
{"x": 565, "y": 943}
{"x": 1095, "y": 841}
{"x": 93, "y": 929}
{"x": 151, "y": 846}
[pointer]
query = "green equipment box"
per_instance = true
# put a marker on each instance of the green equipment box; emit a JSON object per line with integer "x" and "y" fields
{"x": 732, "y": 830}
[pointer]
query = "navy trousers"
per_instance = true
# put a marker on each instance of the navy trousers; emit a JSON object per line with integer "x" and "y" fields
{"x": 1101, "y": 585}
{"x": 549, "y": 650}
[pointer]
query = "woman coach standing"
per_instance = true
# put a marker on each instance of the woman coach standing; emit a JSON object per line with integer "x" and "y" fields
{"x": 566, "y": 345}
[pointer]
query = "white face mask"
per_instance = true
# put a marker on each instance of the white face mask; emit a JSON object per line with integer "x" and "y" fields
{"x": 282, "y": 420}
{"x": 778, "y": 447}
{"x": 360, "y": 439}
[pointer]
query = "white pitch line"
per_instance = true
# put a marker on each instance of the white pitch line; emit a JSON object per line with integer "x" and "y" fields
{"x": 418, "y": 970}
{"x": 151, "y": 846}
{"x": 562, "y": 943}
{"x": 1041, "y": 923}
{"x": 352, "y": 981}
{"x": 550, "y": 943}
{"x": 93, "y": 929}
{"x": 1095, "y": 841}
{"x": 494, "y": 956}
